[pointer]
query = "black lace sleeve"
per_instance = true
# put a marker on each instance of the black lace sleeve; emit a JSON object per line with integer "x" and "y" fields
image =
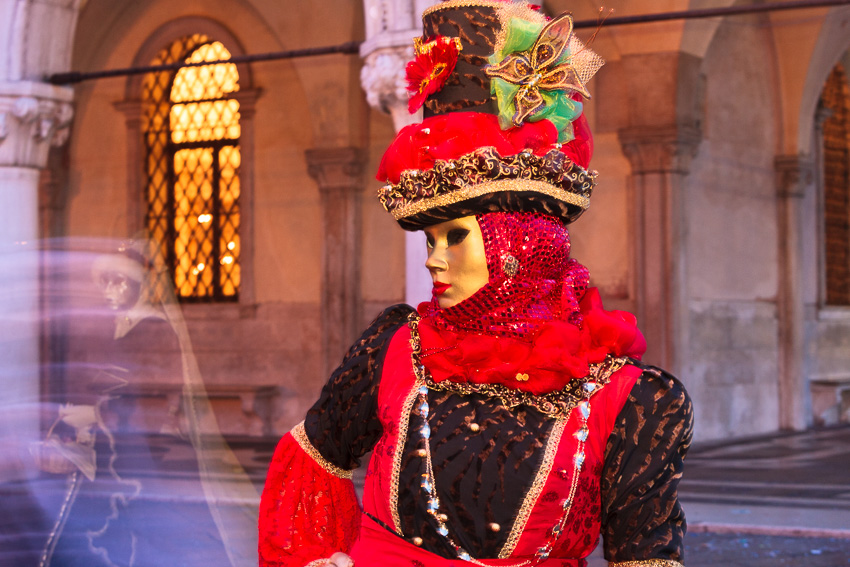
{"x": 641, "y": 515}
{"x": 343, "y": 424}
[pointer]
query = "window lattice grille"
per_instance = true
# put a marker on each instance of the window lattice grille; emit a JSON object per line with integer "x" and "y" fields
{"x": 191, "y": 127}
{"x": 836, "y": 156}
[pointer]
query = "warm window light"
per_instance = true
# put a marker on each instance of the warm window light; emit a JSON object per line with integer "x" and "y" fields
{"x": 191, "y": 120}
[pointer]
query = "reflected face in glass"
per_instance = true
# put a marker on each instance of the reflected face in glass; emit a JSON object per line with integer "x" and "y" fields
{"x": 456, "y": 259}
{"x": 121, "y": 290}
{"x": 116, "y": 289}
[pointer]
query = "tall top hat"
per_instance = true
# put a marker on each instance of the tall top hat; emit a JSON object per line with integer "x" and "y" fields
{"x": 502, "y": 87}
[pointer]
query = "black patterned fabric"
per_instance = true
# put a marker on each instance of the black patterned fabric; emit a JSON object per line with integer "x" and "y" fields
{"x": 483, "y": 476}
{"x": 641, "y": 515}
{"x": 468, "y": 87}
{"x": 343, "y": 424}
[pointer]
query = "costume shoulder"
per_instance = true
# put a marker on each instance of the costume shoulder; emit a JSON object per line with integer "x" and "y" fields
{"x": 642, "y": 519}
{"x": 658, "y": 393}
{"x": 342, "y": 425}
{"x": 384, "y": 326}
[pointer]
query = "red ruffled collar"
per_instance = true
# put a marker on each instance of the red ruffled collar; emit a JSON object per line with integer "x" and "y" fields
{"x": 544, "y": 362}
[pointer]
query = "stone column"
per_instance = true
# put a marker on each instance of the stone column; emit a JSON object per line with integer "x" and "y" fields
{"x": 794, "y": 174}
{"x": 339, "y": 174}
{"x": 660, "y": 157}
{"x": 32, "y": 116}
{"x": 661, "y": 94}
{"x": 390, "y": 29}
{"x": 136, "y": 202}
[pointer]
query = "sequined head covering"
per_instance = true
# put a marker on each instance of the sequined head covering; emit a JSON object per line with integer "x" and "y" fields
{"x": 502, "y": 87}
{"x": 532, "y": 279}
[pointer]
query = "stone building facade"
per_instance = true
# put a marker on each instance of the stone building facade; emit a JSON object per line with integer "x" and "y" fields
{"x": 708, "y": 219}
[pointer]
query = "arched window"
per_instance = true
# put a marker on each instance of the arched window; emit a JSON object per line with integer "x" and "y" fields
{"x": 191, "y": 126}
{"x": 836, "y": 180}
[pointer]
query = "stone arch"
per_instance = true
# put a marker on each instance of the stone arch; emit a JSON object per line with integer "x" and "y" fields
{"x": 174, "y": 29}
{"x": 247, "y": 96}
{"x": 832, "y": 43}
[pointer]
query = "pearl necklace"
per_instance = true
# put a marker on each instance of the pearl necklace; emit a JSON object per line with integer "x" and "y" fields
{"x": 428, "y": 482}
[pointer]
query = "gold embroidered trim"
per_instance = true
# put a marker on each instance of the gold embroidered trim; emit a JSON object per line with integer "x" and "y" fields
{"x": 319, "y": 563}
{"x": 403, "y": 424}
{"x": 536, "y": 488}
{"x": 556, "y": 404}
{"x": 485, "y": 171}
{"x": 647, "y": 563}
{"x": 487, "y": 188}
{"x": 300, "y": 436}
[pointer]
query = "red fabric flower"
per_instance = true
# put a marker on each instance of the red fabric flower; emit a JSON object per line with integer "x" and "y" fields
{"x": 428, "y": 72}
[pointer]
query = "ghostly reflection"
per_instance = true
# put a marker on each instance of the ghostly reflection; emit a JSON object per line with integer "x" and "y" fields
{"x": 128, "y": 466}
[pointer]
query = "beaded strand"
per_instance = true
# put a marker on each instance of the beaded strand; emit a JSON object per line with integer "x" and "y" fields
{"x": 428, "y": 482}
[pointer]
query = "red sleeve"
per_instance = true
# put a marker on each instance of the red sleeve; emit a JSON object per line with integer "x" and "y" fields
{"x": 306, "y": 512}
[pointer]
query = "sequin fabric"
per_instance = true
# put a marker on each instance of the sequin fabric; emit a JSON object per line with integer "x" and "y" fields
{"x": 532, "y": 279}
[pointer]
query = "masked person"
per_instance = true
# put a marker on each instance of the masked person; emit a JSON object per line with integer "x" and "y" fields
{"x": 510, "y": 420}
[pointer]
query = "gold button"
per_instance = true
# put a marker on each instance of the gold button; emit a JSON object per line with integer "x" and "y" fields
{"x": 417, "y": 541}
{"x": 442, "y": 517}
{"x": 494, "y": 527}
{"x": 421, "y": 453}
{"x": 474, "y": 427}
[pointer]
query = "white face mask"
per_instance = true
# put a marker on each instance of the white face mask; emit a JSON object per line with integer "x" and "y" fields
{"x": 456, "y": 259}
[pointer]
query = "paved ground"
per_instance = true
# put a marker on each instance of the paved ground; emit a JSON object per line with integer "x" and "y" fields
{"x": 774, "y": 500}
{"x": 768, "y": 501}
{"x": 763, "y": 502}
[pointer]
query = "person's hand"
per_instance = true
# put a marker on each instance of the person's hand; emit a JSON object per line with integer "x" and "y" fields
{"x": 340, "y": 559}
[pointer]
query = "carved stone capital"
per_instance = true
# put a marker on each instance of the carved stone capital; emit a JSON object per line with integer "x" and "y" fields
{"x": 382, "y": 77}
{"x": 383, "y": 80}
{"x": 48, "y": 120}
{"x": 662, "y": 149}
{"x": 336, "y": 169}
{"x": 793, "y": 174}
{"x": 30, "y": 122}
{"x": 247, "y": 101}
{"x": 132, "y": 111}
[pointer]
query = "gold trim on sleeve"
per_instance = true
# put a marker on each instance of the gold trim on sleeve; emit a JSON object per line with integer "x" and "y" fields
{"x": 647, "y": 563}
{"x": 319, "y": 562}
{"x": 536, "y": 488}
{"x": 300, "y": 436}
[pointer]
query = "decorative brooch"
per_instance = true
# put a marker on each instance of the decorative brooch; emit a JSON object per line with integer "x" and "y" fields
{"x": 534, "y": 74}
{"x": 430, "y": 69}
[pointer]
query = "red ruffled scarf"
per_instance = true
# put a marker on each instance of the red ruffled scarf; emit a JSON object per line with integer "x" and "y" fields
{"x": 542, "y": 362}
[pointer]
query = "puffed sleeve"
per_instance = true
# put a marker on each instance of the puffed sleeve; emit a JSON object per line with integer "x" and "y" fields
{"x": 308, "y": 509}
{"x": 642, "y": 520}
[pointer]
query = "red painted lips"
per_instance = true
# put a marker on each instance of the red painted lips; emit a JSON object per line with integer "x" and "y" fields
{"x": 440, "y": 288}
